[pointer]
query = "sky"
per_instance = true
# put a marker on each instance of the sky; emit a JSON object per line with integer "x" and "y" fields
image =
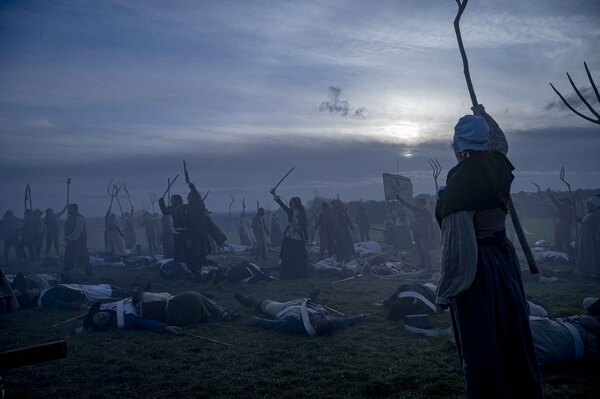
{"x": 244, "y": 90}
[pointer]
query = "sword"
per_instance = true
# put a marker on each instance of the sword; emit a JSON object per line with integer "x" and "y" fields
{"x": 281, "y": 181}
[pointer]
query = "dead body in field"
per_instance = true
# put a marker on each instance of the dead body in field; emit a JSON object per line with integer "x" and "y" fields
{"x": 568, "y": 339}
{"x": 156, "y": 312}
{"x": 298, "y": 316}
{"x": 49, "y": 294}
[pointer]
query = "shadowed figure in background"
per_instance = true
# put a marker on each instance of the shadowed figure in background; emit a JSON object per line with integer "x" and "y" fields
{"x": 113, "y": 238}
{"x": 564, "y": 221}
{"x": 364, "y": 225}
{"x": 29, "y": 235}
{"x": 76, "y": 250}
{"x": 423, "y": 230}
{"x": 52, "y": 230}
{"x": 259, "y": 227}
{"x": 588, "y": 245}
{"x": 325, "y": 228}
{"x": 150, "y": 229}
{"x": 10, "y": 226}
{"x": 200, "y": 228}
{"x": 276, "y": 234}
{"x": 129, "y": 229}
{"x": 178, "y": 214}
{"x": 481, "y": 277}
{"x": 294, "y": 259}
{"x": 166, "y": 236}
{"x": 343, "y": 248}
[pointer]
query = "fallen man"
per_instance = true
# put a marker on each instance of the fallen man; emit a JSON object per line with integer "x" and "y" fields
{"x": 298, "y": 316}
{"x": 68, "y": 296}
{"x": 161, "y": 312}
{"x": 567, "y": 339}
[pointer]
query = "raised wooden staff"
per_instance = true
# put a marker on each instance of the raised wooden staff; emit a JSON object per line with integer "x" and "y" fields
{"x": 511, "y": 207}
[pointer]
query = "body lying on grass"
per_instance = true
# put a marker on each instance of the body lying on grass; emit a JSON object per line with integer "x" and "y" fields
{"x": 298, "y": 316}
{"x": 567, "y": 339}
{"x": 161, "y": 312}
{"x": 46, "y": 290}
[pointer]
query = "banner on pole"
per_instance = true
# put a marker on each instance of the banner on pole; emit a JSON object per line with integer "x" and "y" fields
{"x": 397, "y": 185}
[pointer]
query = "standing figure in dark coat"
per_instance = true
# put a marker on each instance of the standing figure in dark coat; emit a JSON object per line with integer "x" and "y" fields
{"x": 200, "y": 227}
{"x": 113, "y": 238}
{"x": 76, "y": 251}
{"x": 259, "y": 227}
{"x": 10, "y": 226}
{"x": 564, "y": 221}
{"x": 166, "y": 236}
{"x": 178, "y": 213}
{"x": 588, "y": 245}
{"x": 364, "y": 225}
{"x": 276, "y": 234}
{"x": 150, "y": 227}
{"x": 294, "y": 259}
{"x": 481, "y": 277}
{"x": 325, "y": 228}
{"x": 343, "y": 248}
{"x": 52, "y": 231}
{"x": 40, "y": 233}
{"x": 129, "y": 229}
{"x": 29, "y": 233}
{"x": 422, "y": 230}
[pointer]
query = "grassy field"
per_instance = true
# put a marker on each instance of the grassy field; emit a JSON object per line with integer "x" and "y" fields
{"x": 375, "y": 359}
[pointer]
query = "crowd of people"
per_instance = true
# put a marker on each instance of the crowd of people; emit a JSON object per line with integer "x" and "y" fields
{"x": 480, "y": 271}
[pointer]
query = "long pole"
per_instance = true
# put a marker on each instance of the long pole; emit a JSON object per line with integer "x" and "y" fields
{"x": 282, "y": 179}
{"x": 511, "y": 207}
{"x": 207, "y": 339}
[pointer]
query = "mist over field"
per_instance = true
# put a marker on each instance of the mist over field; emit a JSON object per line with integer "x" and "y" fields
{"x": 344, "y": 91}
{"x": 356, "y": 278}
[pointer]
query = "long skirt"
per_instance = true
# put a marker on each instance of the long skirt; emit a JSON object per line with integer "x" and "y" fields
{"x": 294, "y": 259}
{"x": 491, "y": 326}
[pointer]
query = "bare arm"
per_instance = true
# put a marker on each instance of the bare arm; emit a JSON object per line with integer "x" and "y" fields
{"x": 59, "y": 214}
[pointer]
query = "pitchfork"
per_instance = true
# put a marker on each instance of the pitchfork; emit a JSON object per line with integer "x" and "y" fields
{"x": 437, "y": 169}
{"x": 128, "y": 196}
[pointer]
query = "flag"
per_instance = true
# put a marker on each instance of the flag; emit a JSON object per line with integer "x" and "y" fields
{"x": 397, "y": 185}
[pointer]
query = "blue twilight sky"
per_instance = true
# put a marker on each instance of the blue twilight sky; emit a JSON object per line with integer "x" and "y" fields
{"x": 243, "y": 90}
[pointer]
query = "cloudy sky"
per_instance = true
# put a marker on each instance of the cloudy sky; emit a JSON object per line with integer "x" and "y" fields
{"x": 244, "y": 90}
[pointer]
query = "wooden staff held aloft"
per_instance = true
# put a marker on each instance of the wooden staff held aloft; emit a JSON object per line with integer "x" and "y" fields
{"x": 511, "y": 207}
{"x": 281, "y": 181}
{"x": 68, "y": 186}
{"x": 168, "y": 190}
{"x": 128, "y": 196}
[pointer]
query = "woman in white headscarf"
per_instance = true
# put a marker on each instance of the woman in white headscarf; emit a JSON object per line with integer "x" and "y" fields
{"x": 481, "y": 277}
{"x": 588, "y": 250}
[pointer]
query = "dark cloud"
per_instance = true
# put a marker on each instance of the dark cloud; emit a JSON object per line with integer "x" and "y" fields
{"x": 349, "y": 166}
{"x": 337, "y": 105}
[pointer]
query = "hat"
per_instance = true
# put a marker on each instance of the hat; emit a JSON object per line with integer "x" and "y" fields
{"x": 471, "y": 133}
